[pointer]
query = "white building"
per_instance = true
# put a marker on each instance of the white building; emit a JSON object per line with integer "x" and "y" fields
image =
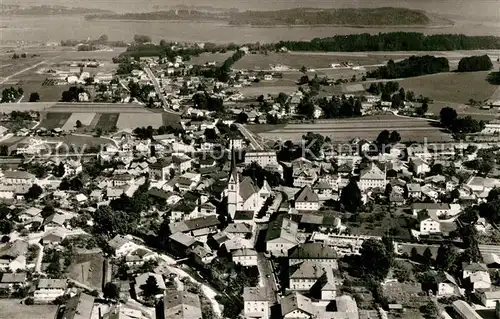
{"x": 49, "y": 289}
{"x": 372, "y": 177}
{"x": 256, "y": 303}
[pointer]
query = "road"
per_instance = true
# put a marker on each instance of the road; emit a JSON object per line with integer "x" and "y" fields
{"x": 254, "y": 144}
{"x": 158, "y": 90}
{"x": 268, "y": 279}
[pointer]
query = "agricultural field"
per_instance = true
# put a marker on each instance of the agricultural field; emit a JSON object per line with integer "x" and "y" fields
{"x": 343, "y": 130}
{"x": 107, "y": 121}
{"x": 451, "y": 87}
{"x": 218, "y": 58}
{"x": 54, "y": 120}
{"x": 84, "y": 118}
{"x": 13, "y": 309}
{"x": 314, "y": 60}
{"x": 89, "y": 272}
{"x": 131, "y": 120}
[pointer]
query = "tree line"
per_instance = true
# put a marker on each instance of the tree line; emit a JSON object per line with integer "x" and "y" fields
{"x": 412, "y": 66}
{"x": 394, "y": 41}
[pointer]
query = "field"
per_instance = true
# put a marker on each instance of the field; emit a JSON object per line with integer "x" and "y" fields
{"x": 54, "y": 120}
{"x": 89, "y": 272}
{"x": 343, "y": 130}
{"x": 84, "y": 118}
{"x": 218, "y": 58}
{"x": 451, "y": 87}
{"x": 314, "y": 60}
{"x": 13, "y": 309}
{"x": 30, "y": 73}
{"x": 107, "y": 121}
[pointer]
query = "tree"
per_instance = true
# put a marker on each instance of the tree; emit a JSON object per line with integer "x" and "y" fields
{"x": 430, "y": 310}
{"x": 34, "y": 192}
{"x": 78, "y": 124}
{"x": 150, "y": 288}
{"x": 111, "y": 291}
{"x": 446, "y": 257}
{"x": 306, "y": 108}
{"x": 388, "y": 190}
{"x": 427, "y": 256}
{"x": 375, "y": 260}
{"x": 475, "y": 63}
{"x": 141, "y": 39}
{"x": 303, "y": 69}
{"x": 448, "y": 116}
{"x": 34, "y": 97}
{"x": 395, "y": 137}
{"x": 6, "y": 226}
{"x": 242, "y": 118}
{"x": 350, "y": 198}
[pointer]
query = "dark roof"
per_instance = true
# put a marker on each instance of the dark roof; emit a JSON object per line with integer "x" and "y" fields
{"x": 306, "y": 194}
{"x": 312, "y": 251}
{"x": 193, "y": 224}
{"x": 243, "y": 215}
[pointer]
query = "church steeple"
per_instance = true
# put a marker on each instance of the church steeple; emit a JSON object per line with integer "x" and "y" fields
{"x": 233, "y": 186}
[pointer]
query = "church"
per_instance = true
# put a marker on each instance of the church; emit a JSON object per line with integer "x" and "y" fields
{"x": 243, "y": 194}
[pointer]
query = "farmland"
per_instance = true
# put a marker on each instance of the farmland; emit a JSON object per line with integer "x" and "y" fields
{"x": 13, "y": 309}
{"x": 54, "y": 120}
{"x": 107, "y": 121}
{"x": 411, "y": 129}
{"x": 452, "y": 87}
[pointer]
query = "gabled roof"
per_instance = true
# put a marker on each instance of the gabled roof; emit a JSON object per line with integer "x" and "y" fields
{"x": 308, "y": 270}
{"x": 14, "y": 249}
{"x": 296, "y": 301}
{"x": 372, "y": 172}
{"x": 255, "y": 294}
{"x": 312, "y": 251}
{"x": 247, "y": 188}
{"x": 193, "y": 224}
{"x": 14, "y": 278}
{"x": 183, "y": 239}
{"x": 424, "y": 214}
{"x": 238, "y": 228}
{"x": 181, "y": 305}
{"x": 306, "y": 194}
{"x": 283, "y": 228}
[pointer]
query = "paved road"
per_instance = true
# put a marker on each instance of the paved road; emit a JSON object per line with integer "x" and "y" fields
{"x": 159, "y": 91}
{"x": 254, "y": 144}
{"x": 267, "y": 275}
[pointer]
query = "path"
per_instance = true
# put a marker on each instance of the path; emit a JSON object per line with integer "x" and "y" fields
{"x": 158, "y": 90}
{"x": 38, "y": 264}
{"x": 209, "y": 292}
{"x": 7, "y": 78}
{"x": 249, "y": 136}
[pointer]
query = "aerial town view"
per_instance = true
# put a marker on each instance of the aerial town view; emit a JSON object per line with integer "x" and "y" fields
{"x": 253, "y": 159}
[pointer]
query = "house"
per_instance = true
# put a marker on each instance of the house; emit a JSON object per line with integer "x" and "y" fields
{"x": 7, "y": 191}
{"x": 414, "y": 190}
{"x": 306, "y": 275}
{"x": 263, "y": 158}
{"x": 122, "y": 245}
{"x": 201, "y": 255}
{"x": 469, "y": 269}
{"x": 306, "y": 199}
{"x": 479, "y": 280}
{"x": 13, "y": 280}
{"x": 440, "y": 209}
{"x": 419, "y": 166}
{"x": 446, "y": 285}
{"x": 256, "y": 303}
{"x": 180, "y": 243}
{"x": 303, "y": 176}
{"x": 122, "y": 180}
{"x": 160, "y": 171}
{"x": 245, "y": 257}
{"x": 489, "y": 297}
{"x": 296, "y": 306}
{"x": 142, "y": 279}
{"x": 241, "y": 230}
{"x": 48, "y": 290}
{"x": 429, "y": 222}
{"x": 372, "y": 177}
{"x": 139, "y": 256}
{"x": 18, "y": 178}
{"x": 319, "y": 253}
{"x": 281, "y": 236}
{"x": 12, "y": 255}
{"x": 199, "y": 228}
{"x": 180, "y": 305}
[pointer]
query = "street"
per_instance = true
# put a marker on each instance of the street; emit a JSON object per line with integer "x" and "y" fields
{"x": 158, "y": 90}
{"x": 249, "y": 136}
{"x": 267, "y": 277}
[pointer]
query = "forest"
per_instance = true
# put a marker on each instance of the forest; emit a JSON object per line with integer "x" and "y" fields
{"x": 475, "y": 63}
{"x": 393, "y": 41}
{"x": 413, "y": 66}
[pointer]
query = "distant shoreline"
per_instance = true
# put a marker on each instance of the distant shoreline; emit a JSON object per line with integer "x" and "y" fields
{"x": 226, "y": 24}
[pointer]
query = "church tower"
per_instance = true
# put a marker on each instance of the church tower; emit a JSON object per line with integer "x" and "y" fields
{"x": 233, "y": 191}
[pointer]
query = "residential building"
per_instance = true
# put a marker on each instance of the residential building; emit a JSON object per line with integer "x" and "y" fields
{"x": 18, "y": 178}
{"x": 48, "y": 290}
{"x": 180, "y": 305}
{"x": 306, "y": 199}
{"x": 372, "y": 177}
{"x": 439, "y": 209}
{"x": 489, "y": 297}
{"x": 263, "y": 158}
{"x": 245, "y": 257}
{"x": 429, "y": 222}
{"x": 464, "y": 311}
{"x": 256, "y": 303}
{"x": 296, "y": 305}
{"x": 319, "y": 253}
{"x": 281, "y": 236}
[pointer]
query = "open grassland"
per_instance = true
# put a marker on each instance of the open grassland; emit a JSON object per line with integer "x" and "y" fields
{"x": 13, "y": 309}
{"x": 343, "y": 130}
{"x": 79, "y": 140}
{"x": 36, "y": 107}
{"x": 464, "y": 110}
{"x": 89, "y": 272}
{"x": 451, "y": 87}
{"x": 218, "y": 58}
{"x": 131, "y": 120}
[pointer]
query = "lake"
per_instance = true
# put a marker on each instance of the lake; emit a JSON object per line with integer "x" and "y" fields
{"x": 56, "y": 28}
{"x": 471, "y": 17}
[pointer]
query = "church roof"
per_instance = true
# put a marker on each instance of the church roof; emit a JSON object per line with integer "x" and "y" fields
{"x": 247, "y": 188}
